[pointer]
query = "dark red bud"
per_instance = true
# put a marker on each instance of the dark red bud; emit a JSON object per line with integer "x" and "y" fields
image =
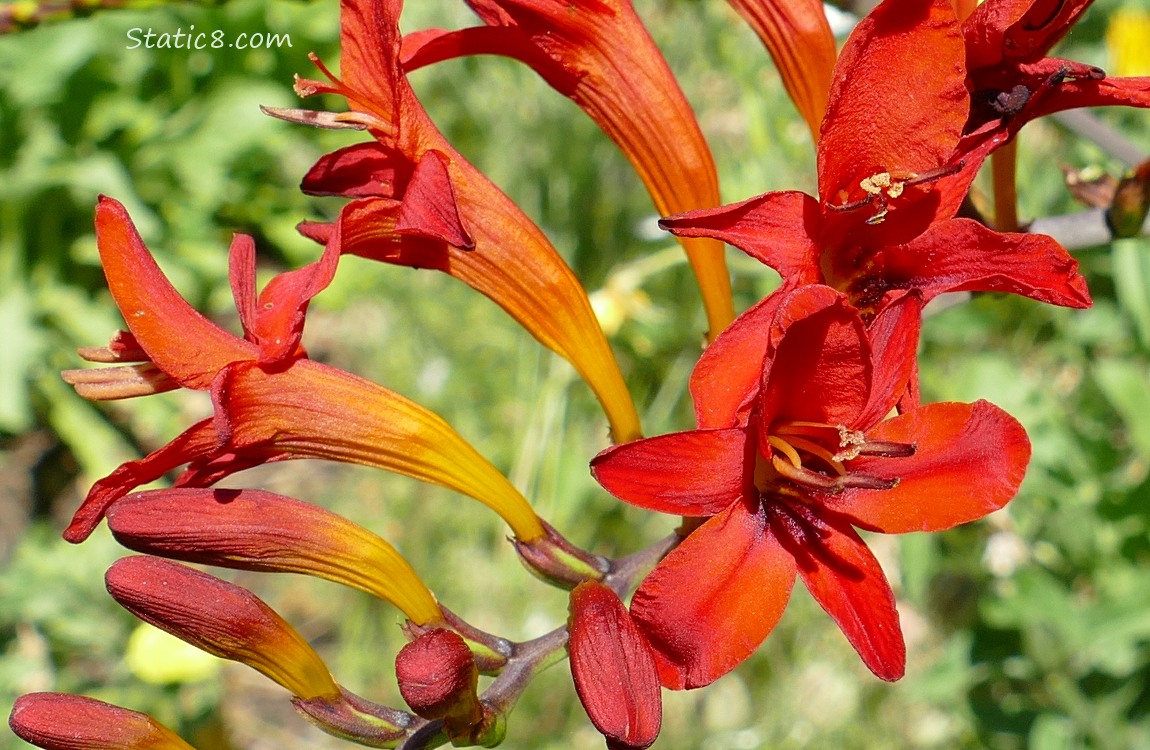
{"x": 613, "y": 668}
{"x": 438, "y": 679}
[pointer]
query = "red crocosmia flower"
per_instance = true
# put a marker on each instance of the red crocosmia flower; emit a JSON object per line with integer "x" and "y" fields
{"x": 891, "y": 181}
{"x": 782, "y": 493}
{"x": 599, "y": 54}
{"x": 271, "y": 403}
{"x": 421, "y": 204}
{"x": 1012, "y": 79}
{"x": 613, "y": 669}
{"x": 800, "y": 41}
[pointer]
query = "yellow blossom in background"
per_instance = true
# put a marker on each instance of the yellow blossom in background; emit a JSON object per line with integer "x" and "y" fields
{"x": 1128, "y": 41}
{"x": 160, "y": 659}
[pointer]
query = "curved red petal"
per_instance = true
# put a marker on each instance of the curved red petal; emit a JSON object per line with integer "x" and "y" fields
{"x": 1017, "y": 30}
{"x": 728, "y": 375}
{"x": 969, "y": 461}
{"x": 893, "y": 338}
{"x": 359, "y": 171}
{"x": 963, "y": 255}
{"x": 820, "y": 369}
{"x": 846, "y": 580}
{"x": 898, "y": 101}
{"x": 778, "y": 229}
{"x": 695, "y": 473}
{"x": 710, "y": 603}
{"x": 183, "y": 343}
{"x": 198, "y": 441}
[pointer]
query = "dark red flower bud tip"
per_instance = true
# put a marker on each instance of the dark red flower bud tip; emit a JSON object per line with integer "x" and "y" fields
{"x": 438, "y": 678}
{"x": 613, "y": 669}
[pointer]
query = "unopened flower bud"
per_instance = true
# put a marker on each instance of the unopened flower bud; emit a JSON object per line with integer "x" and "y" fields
{"x": 254, "y": 530}
{"x": 489, "y": 651}
{"x": 613, "y": 669}
{"x": 557, "y": 561}
{"x": 220, "y": 618}
{"x": 438, "y": 678}
{"x": 58, "y": 721}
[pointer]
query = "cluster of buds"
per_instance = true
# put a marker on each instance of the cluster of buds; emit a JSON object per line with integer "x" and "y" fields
{"x": 809, "y": 420}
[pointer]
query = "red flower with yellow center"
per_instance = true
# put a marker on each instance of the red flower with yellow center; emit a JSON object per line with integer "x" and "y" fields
{"x": 782, "y": 477}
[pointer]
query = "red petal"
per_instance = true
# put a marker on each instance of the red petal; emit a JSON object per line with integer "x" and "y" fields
{"x": 898, "y": 102}
{"x": 847, "y": 581}
{"x": 695, "y": 473}
{"x": 728, "y": 375}
{"x": 820, "y": 370}
{"x": 183, "y": 343}
{"x": 775, "y": 228}
{"x": 710, "y": 603}
{"x": 1017, "y": 30}
{"x": 284, "y": 301}
{"x": 359, "y": 171}
{"x": 196, "y": 442}
{"x": 429, "y": 208}
{"x": 969, "y": 462}
{"x": 613, "y": 669}
{"x": 963, "y": 255}
{"x": 893, "y": 338}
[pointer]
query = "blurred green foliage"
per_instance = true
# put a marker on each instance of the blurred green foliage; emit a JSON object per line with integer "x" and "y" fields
{"x": 1030, "y": 630}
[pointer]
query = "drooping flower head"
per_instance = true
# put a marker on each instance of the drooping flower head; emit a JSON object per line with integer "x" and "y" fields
{"x": 419, "y": 203}
{"x": 271, "y": 403}
{"x": 783, "y": 475}
{"x": 892, "y": 174}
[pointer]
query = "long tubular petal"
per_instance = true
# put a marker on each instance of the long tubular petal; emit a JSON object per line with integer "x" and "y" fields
{"x": 800, "y": 41}
{"x": 613, "y": 670}
{"x": 846, "y": 580}
{"x": 963, "y": 255}
{"x": 714, "y": 598}
{"x": 182, "y": 342}
{"x": 969, "y": 461}
{"x": 599, "y": 54}
{"x": 695, "y": 473}
{"x": 236, "y": 625}
{"x": 313, "y": 410}
{"x": 512, "y": 262}
{"x": 254, "y": 530}
{"x": 59, "y": 721}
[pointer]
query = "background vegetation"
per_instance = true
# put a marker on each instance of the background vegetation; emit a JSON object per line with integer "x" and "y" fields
{"x": 1028, "y": 630}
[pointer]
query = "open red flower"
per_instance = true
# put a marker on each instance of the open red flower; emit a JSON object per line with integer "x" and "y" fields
{"x": 271, "y": 402}
{"x": 783, "y": 491}
{"x": 1013, "y": 81}
{"x": 599, "y": 54}
{"x": 419, "y": 203}
{"x": 892, "y": 174}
